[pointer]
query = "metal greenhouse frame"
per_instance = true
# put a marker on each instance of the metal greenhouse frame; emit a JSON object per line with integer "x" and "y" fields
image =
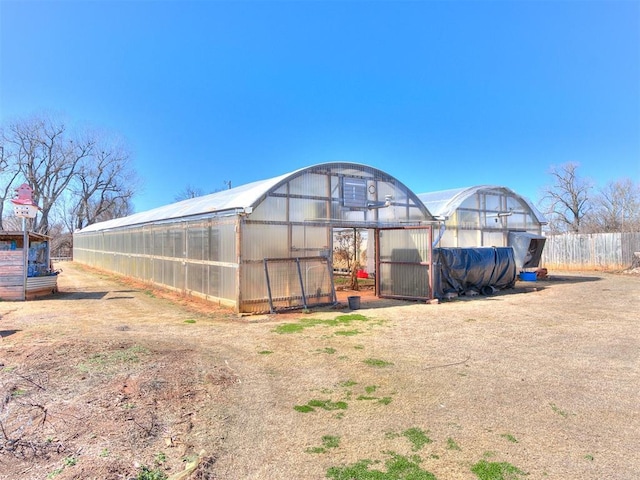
{"x": 267, "y": 245}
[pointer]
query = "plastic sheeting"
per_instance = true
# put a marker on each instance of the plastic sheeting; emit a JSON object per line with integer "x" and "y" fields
{"x": 527, "y": 248}
{"x": 465, "y": 271}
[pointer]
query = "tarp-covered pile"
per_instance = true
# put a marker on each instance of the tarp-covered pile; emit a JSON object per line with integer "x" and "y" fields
{"x": 465, "y": 271}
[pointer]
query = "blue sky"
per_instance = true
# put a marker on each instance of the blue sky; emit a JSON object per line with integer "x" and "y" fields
{"x": 440, "y": 94}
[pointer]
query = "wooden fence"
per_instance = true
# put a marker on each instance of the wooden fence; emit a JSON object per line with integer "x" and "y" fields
{"x": 596, "y": 251}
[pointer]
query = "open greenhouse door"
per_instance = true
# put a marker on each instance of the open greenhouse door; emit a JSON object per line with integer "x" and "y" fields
{"x": 403, "y": 263}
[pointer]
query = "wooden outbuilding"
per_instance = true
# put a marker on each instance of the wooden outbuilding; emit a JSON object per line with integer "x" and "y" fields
{"x": 34, "y": 266}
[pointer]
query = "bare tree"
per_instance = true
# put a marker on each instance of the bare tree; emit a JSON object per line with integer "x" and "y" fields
{"x": 104, "y": 185}
{"x": 188, "y": 192}
{"x": 567, "y": 201}
{"x": 616, "y": 208}
{"x": 9, "y": 173}
{"x": 48, "y": 158}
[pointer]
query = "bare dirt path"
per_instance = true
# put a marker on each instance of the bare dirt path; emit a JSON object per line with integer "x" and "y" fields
{"x": 109, "y": 377}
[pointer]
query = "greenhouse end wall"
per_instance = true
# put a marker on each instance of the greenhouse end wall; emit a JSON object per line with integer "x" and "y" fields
{"x": 196, "y": 257}
{"x": 486, "y": 218}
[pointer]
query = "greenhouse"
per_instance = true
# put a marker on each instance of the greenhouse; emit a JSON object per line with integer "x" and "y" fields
{"x": 267, "y": 246}
{"x": 488, "y": 216}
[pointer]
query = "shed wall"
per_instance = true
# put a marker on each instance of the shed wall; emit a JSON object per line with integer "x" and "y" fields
{"x": 12, "y": 277}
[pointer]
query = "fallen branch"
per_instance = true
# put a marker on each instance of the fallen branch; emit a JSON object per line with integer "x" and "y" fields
{"x": 448, "y": 364}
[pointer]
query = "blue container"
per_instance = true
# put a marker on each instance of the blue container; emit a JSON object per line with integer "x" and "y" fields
{"x": 528, "y": 276}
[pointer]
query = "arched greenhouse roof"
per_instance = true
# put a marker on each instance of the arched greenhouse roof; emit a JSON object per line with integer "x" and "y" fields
{"x": 444, "y": 203}
{"x": 243, "y": 198}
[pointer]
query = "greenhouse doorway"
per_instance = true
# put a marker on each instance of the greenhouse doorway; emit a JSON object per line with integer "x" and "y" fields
{"x": 404, "y": 263}
{"x": 396, "y": 261}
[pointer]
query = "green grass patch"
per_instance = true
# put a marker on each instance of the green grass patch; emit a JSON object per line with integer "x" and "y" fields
{"x": 452, "y": 445}
{"x": 378, "y": 363}
{"x": 509, "y": 437}
{"x": 339, "y": 321}
{"x": 312, "y": 405}
{"x": 496, "y": 471}
{"x": 416, "y": 436}
{"x": 397, "y": 467}
{"x": 385, "y": 400}
{"x": 146, "y": 473}
{"x": 190, "y": 320}
{"x": 559, "y": 411}
{"x": 347, "y": 333}
{"x": 327, "y": 350}
{"x": 265, "y": 352}
{"x": 18, "y": 392}
{"x": 370, "y": 388}
{"x": 290, "y": 328}
{"x": 328, "y": 442}
{"x": 365, "y": 397}
{"x": 304, "y": 408}
{"x": 347, "y": 383}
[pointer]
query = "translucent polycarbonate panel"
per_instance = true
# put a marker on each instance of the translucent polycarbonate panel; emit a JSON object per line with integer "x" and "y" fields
{"x": 404, "y": 245}
{"x": 468, "y": 219}
{"x": 403, "y": 280}
{"x": 310, "y": 240}
{"x": 307, "y": 210}
{"x": 223, "y": 241}
{"x": 493, "y": 239}
{"x": 282, "y": 189}
{"x": 197, "y": 278}
{"x": 515, "y": 204}
{"x": 317, "y": 281}
{"x": 176, "y": 242}
{"x": 448, "y": 239}
{"x": 198, "y": 242}
{"x": 253, "y": 284}
{"x": 309, "y": 184}
{"x": 222, "y": 282}
{"x": 355, "y": 216}
{"x": 473, "y": 203}
{"x": 273, "y": 209}
{"x": 157, "y": 240}
{"x": 404, "y": 257}
{"x": 493, "y": 202}
{"x": 284, "y": 281}
{"x": 518, "y": 221}
{"x": 469, "y": 238}
{"x": 148, "y": 239}
{"x": 261, "y": 241}
{"x": 491, "y": 220}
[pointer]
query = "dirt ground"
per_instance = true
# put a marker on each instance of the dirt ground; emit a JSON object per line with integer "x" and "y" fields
{"x": 113, "y": 380}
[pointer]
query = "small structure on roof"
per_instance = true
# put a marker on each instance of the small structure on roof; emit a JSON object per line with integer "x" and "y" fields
{"x": 267, "y": 246}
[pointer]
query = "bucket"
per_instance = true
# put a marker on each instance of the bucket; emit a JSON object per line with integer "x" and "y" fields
{"x": 354, "y": 302}
{"x": 528, "y": 276}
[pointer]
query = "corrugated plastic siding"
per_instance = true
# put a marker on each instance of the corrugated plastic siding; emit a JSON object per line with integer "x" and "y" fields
{"x": 198, "y": 257}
